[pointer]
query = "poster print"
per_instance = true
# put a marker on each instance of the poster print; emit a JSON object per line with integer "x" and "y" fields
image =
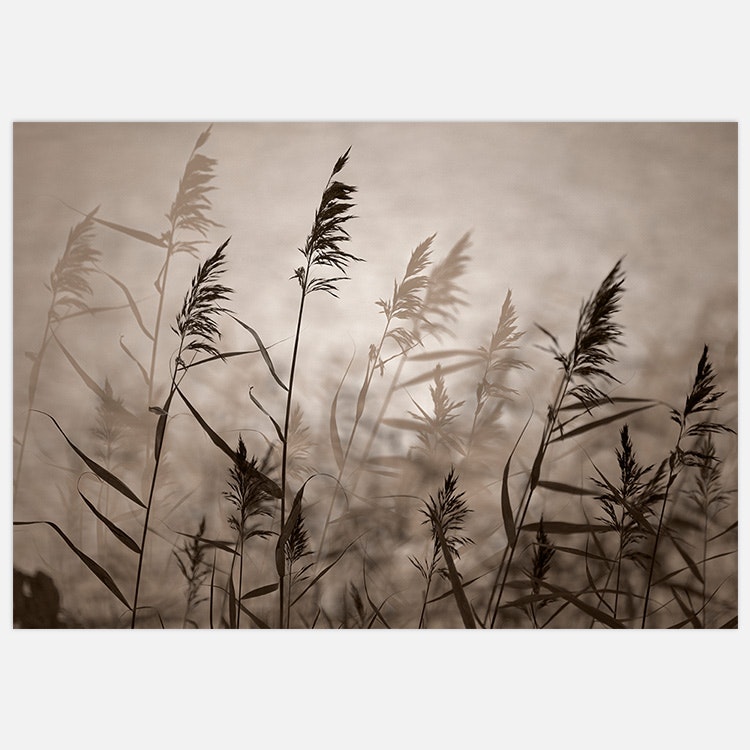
{"x": 375, "y": 375}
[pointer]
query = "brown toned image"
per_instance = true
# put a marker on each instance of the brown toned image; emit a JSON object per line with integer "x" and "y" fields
{"x": 403, "y": 375}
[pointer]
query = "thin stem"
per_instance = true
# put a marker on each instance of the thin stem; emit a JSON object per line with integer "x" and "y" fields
{"x": 357, "y": 417}
{"x": 287, "y": 419}
{"x": 159, "y": 311}
{"x": 424, "y": 603}
{"x": 670, "y": 481}
{"x": 241, "y": 545}
{"x": 529, "y": 489}
{"x": 705, "y": 554}
{"x": 143, "y": 541}
{"x": 619, "y": 569}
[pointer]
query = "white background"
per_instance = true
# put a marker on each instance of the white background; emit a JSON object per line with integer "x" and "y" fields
{"x": 660, "y": 61}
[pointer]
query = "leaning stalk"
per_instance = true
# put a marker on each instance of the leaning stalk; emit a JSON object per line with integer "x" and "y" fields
{"x": 287, "y": 418}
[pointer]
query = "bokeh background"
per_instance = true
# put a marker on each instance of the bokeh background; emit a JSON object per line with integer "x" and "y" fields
{"x": 550, "y": 207}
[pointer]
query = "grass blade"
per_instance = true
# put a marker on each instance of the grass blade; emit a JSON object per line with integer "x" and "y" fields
{"x": 269, "y": 485}
{"x": 119, "y": 534}
{"x": 567, "y": 489}
{"x": 286, "y": 532}
{"x": 226, "y": 546}
{"x": 132, "y": 303}
{"x": 430, "y": 374}
{"x": 601, "y": 422}
{"x": 324, "y": 571}
{"x": 264, "y": 352}
{"x": 563, "y": 527}
{"x": 338, "y": 451}
{"x": 92, "y": 565}
{"x": 602, "y": 617}
{"x": 458, "y": 591}
{"x": 132, "y": 356}
{"x": 686, "y": 557}
{"x": 232, "y": 604}
{"x": 263, "y": 409}
{"x": 260, "y": 623}
{"x": 508, "y": 519}
{"x": 100, "y": 471}
{"x": 260, "y": 591}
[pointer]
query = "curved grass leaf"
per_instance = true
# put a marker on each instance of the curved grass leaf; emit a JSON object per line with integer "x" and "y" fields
{"x": 509, "y": 521}
{"x": 92, "y": 565}
{"x": 132, "y": 303}
{"x": 132, "y": 356}
{"x": 286, "y": 532}
{"x": 338, "y": 452}
{"x": 264, "y": 352}
{"x": 92, "y": 385}
{"x": 260, "y": 623}
{"x": 606, "y": 402}
{"x": 458, "y": 591}
{"x": 567, "y": 489}
{"x": 444, "y": 354}
{"x": 686, "y": 557}
{"x": 278, "y": 429}
{"x": 430, "y": 374}
{"x": 260, "y": 591}
{"x": 324, "y": 571}
{"x": 563, "y": 527}
{"x": 100, "y": 471}
{"x": 602, "y": 617}
{"x": 403, "y": 424}
{"x": 119, "y": 534}
{"x": 135, "y": 233}
{"x": 226, "y": 546}
{"x": 232, "y": 605}
{"x": 268, "y": 484}
{"x": 691, "y": 616}
{"x": 731, "y": 527}
{"x": 601, "y": 422}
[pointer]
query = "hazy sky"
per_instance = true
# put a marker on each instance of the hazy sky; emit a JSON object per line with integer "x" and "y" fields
{"x": 551, "y": 207}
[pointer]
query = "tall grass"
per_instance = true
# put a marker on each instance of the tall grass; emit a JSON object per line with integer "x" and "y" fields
{"x": 429, "y": 496}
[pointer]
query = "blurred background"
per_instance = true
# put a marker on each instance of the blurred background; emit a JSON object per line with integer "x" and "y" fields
{"x": 550, "y": 208}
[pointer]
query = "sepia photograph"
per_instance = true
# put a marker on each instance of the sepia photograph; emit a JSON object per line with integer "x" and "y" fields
{"x": 375, "y": 375}
{"x": 362, "y": 375}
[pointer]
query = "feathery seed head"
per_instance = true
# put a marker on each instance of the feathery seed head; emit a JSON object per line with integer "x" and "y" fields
{"x": 323, "y": 245}
{"x": 196, "y": 322}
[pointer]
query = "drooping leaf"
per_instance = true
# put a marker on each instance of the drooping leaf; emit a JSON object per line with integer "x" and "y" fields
{"x": 324, "y": 571}
{"x": 458, "y": 591}
{"x": 338, "y": 452}
{"x": 100, "y": 471}
{"x": 286, "y": 532}
{"x": 132, "y": 304}
{"x": 567, "y": 489}
{"x": 132, "y": 356}
{"x": 601, "y": 422}
{"x": 576, "y": 601}
{"x": 430, "y": 374}
{"x": 260, "y": 591}
{"x": 275, "y": 424}
{"x": 563, "y": 527}
{"x": 263, "y": 350}
{"x": 268, "y": 485}
{"x": 505, "y": 505}
{"x": 92, "y": 565}
{"x": 119, "y": 534}
{"x": 257, "y": 620}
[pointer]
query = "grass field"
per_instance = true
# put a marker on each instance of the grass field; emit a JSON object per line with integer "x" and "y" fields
{"x": 335, "y": 416}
